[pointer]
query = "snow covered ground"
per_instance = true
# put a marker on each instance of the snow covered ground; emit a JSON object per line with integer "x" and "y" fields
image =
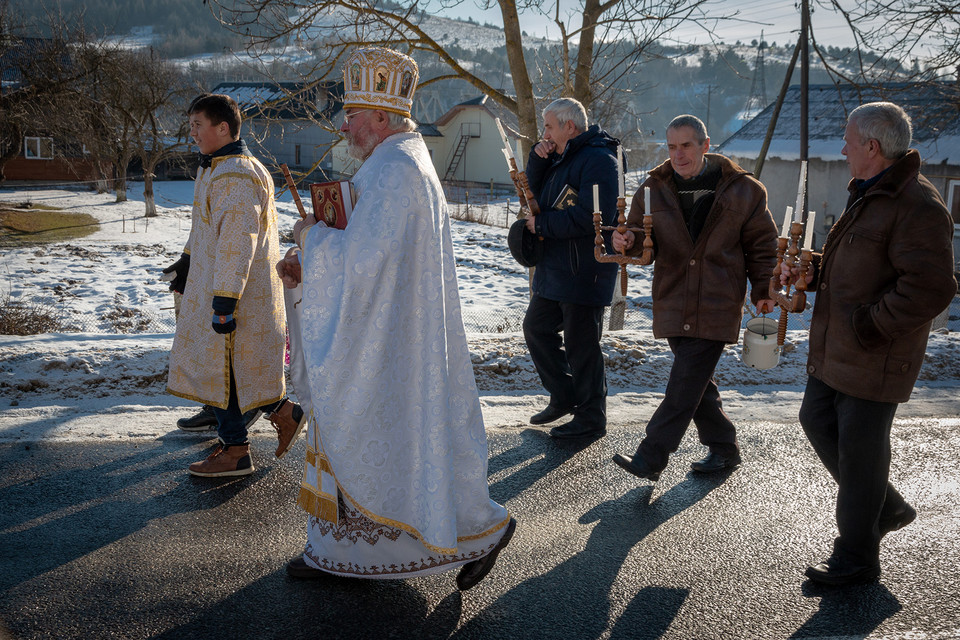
{"x": 108, "y": 379}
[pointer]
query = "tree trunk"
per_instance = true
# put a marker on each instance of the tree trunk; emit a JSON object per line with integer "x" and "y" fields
{"x": 121, "y": 186}
{"x": 581, "y": 75}
{"x": 120, "y": 179}
{"x": 13, "y": 149}
{"x": 526, "y": 105}
{"x": 151, "y": 206}
{"x": 102, "y": 183}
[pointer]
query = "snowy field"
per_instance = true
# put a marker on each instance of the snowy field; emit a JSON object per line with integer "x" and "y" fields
{"x": 106, "y": 377}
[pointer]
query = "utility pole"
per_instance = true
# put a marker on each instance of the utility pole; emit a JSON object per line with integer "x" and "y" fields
{"x": 804, "y": 93}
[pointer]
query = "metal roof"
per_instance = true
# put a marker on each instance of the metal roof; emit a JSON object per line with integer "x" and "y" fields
{"x": 285, "y": 100}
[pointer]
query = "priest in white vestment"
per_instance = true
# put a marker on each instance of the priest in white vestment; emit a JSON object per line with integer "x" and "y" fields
{"x": 395, "y": 481}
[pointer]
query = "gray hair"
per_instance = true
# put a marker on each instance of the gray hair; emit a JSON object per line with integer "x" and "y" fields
{"x": 398, "y": 122}
{"x": 886, "y": 123}
{"x": 568, "y": 110}
{"x": 695, "y": 123}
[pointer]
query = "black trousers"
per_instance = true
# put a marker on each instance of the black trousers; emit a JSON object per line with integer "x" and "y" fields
{"x": 570, "y": 368}
{"x": 691, "y": 394}
{"x": 852, "y": 438}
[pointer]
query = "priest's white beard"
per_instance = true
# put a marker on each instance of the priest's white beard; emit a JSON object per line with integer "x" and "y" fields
{"x": 360, "y": 145}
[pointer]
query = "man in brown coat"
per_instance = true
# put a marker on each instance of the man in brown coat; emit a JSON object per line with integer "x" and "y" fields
{"x": 885, "y": 272}
{"x": 712, "y": 233}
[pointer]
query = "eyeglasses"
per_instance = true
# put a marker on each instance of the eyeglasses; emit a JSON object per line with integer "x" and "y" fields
{"x": 348, "y": 116}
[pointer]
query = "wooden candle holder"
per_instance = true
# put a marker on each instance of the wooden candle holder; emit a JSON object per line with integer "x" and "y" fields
{"x": 789, "y": 254}
{"x": 645, "y": 257}
{"x": 528, "y": 204}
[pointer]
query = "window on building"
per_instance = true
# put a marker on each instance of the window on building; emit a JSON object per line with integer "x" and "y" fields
{"x": 38, "y": 148}
{"x": 953, "y": 200}
{"x": 296, "y": 155}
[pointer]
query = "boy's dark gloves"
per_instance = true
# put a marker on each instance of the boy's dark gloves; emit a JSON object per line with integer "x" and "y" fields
{"x": 223, "y": 308}
{"x": 177, "y": 273}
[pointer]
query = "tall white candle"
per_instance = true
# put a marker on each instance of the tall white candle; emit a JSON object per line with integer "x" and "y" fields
{"x": 646, "y": 201}
{"x": 596, "y": 197}
{"x": 808, "y": 238}
{"x": 620, "y": 183}
{"x": 798, "y": 211}
{"x": 786, "y": 222}
{"x": 507, "y": 150}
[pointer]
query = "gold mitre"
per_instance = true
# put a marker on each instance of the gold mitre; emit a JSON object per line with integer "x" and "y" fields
{"x": 378, "y": 78}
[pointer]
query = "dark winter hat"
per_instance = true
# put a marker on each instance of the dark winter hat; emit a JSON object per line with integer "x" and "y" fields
{"x": 526, "y": 248}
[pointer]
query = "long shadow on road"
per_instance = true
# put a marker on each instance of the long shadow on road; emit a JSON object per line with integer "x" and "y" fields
{"x": 279, "y": 607}
{"x": 50, "y": 517}
{"x": 861, "y": 608}
{"x": 572, "y": 600}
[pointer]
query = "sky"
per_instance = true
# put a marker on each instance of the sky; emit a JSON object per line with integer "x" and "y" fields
{"x": 778, "y": 19}
{"x": 109, "y": 384}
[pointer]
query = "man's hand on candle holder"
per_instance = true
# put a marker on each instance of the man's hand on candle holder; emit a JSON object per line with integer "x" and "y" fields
{"x": 532, "y": 224}
{"x": 622, "y": 241}
{"x": 789, "y": 275}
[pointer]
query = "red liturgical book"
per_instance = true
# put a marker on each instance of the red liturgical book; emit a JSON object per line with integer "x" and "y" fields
{"x": 332, "y": 202}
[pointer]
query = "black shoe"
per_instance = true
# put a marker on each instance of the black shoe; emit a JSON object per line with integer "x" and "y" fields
{"x": 298, "y": 568}
{"x": 838, "y": 572}
{"x": 574, "y": 429}
{"x": 716, "y": 462}
{"x": 550, "y": 414}
{"x": 251, "y": 416}
{"x": 205, "y": 420}
{"x": 904, "y": 516}
{"x": 637, "y": 466}
{"x": 475, "y": 571}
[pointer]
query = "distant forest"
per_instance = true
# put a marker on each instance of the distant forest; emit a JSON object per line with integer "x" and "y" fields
{"x": 184, "y": 27}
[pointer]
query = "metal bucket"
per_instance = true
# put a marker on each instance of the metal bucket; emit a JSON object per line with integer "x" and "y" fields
{"x": 760, "y": 348}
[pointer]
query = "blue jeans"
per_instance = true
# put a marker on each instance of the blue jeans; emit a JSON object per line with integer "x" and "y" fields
{"x": 231, "y": 425}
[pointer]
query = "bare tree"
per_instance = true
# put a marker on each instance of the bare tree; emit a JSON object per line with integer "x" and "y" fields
{"x": 154, "y": 104}
{"x": 127, "y": 108}
{"x": 904, "y": 31}
{"x": 38, "y": 72}
{"x": 328, "y": 29}
{"x": 97, "y": 99}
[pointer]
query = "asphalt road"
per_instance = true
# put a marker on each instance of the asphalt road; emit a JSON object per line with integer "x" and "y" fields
{"x": 114, "y": 539}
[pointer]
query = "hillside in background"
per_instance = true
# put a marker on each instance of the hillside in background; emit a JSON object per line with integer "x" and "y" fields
{"x": 713, "y": 82}
{"x": 178, "y": 27}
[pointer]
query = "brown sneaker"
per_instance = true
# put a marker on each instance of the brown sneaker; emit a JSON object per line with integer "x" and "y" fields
{"x": 288, "y": 420}
{"x": 226, "y": 460}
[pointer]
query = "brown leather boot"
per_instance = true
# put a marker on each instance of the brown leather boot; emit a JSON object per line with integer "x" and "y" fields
{"x": 288, "y": 420}
{"x": 226, "y": 460}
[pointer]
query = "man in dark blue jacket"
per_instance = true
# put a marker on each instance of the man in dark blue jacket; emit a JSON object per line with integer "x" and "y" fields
{"x": 570, "y": 288}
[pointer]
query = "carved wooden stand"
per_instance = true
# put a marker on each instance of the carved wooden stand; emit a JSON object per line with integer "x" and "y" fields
{"x": 528, "y": 204}
{"x": 646, "y": 256}
{"x": 788, "y": 250}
